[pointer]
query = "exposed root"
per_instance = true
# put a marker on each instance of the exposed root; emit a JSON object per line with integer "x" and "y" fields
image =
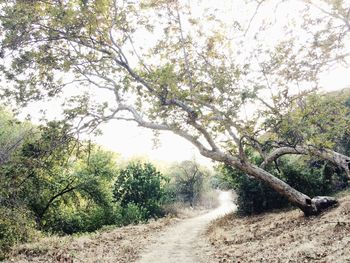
{"x": 319, "y": 204}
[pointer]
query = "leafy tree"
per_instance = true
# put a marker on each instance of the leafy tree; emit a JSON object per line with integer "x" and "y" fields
{"x": 188, "y": 179}
{"x": 313, "y": 177}
{"x": 16, "y": 221}
{"x": 56, "y": 176}
{"x": 87, "y": 203}
{"x": 193, "y": 77}
{"x": 141, "y": 185}
{"x": 43, "y": 166}
{"x": 313, "y": 125}
{"x": 12, "y": 134}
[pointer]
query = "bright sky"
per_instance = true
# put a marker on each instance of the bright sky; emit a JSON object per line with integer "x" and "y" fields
{"x": 129, "y": 140}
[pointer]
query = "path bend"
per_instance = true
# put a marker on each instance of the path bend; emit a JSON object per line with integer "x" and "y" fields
{"x": 182, "y": 242}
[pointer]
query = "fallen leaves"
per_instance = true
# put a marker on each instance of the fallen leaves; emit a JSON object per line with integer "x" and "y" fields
{"x": 283, "y": 237}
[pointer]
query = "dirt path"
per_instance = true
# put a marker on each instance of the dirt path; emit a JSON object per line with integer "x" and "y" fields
{"x": 182, "y": 242}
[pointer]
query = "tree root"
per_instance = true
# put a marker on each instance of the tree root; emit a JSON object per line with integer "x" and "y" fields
{"x": 319, "y": 204}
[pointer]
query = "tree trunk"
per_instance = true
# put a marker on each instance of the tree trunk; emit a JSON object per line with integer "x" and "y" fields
{"x": 40, "y": 216}
{"x": 310, "y": 206}
{"x": 336, "y": 158}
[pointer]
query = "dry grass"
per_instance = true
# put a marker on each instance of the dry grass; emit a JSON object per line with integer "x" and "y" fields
{"x": 273, "y": 237}
{"x": 208, "y": 201}
{"x": 284, "y": 237}
{"x": 182, "y": 211}
{"x": 117, "y": 245}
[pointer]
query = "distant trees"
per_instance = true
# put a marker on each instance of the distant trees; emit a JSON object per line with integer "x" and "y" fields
{"x": 188, "y": 180}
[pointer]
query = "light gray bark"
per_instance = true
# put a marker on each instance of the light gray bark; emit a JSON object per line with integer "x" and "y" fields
{"x": 336, "y": 158}
{"x": 310, "y": 206}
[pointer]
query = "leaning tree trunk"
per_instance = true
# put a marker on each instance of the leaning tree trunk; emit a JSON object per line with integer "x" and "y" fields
{"x": 310, "y": 206}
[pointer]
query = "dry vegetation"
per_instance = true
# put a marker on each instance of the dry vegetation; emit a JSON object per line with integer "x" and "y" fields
{"x": 283, "y": 237}
{"x": 117, "y": 245}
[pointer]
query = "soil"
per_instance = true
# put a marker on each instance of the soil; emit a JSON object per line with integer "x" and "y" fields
{"x": 285, "y": 236}
{"x": 184, "y": 242}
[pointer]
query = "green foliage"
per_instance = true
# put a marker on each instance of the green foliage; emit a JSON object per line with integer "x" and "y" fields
{"x": 16, "y": 221}
{"x": 65, "y": 183}
{"x": 142, "y": 186}
{"x": 309, "y": 178}
{"x": 253, "y": 196}
{"x": 16, "y": 225}
{"x": 52, "y": 182}
{"x": 318, "y": 120}
{"x": 70, "y": 219}
{"x": 66, "y": 186}
{"x": 133, "y": 214}
{"x": 89, "y": 205}
{"x": 312, "y": 177}
{"x": 343, "y": 142}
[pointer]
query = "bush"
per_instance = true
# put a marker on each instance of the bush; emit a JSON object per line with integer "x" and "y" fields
{"x": 139, "y": 185}
{"x": 307, "y": 176}
{"x": 16, "y": 225}
{"x": 253, "y": 196}
{"x": 133, "y": 214}
{"x": 92, "y": 218}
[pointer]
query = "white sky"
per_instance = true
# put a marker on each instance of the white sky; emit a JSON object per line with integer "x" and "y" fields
{"x": 129, "y": 140}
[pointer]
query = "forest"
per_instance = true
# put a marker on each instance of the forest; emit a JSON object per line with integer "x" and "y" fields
{"x": 243, "y": 82}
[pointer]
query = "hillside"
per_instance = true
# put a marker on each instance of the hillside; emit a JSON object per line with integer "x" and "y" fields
{"x": 283, "y": 237}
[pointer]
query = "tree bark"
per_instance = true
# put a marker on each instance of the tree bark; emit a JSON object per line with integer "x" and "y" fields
{"x": 336, "y": 158}
{"x": 310, "y": 206}
{"x": 49, "y": 203}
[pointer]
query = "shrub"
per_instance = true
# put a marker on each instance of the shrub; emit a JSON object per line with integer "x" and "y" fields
{"x": 91, "y": 218}
{"x": 133, "y": 214}
{"x": 16, "y": 225}
{"x": 308, "y": 176}
{"x": 253, "y": 196}
{"x": 140, "y": 185}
